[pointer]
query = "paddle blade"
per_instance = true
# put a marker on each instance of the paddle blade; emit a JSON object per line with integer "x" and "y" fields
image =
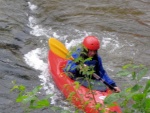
{"x": 59, "y": 48}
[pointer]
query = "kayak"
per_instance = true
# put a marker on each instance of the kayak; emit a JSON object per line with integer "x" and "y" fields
{"x": 79, "y": 94}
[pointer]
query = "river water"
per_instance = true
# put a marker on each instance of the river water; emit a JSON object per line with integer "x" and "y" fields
{"x": 123, "y": 26}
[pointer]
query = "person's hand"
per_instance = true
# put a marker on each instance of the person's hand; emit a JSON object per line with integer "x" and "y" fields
{"x": 117, "y": 89}
{"x": 81, "y": 67}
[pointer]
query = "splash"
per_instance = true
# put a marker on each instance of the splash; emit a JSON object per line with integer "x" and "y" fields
{"x": 35, "y": 59}
{"x": 32, "y": 6}
{"x": 32, "y": 58}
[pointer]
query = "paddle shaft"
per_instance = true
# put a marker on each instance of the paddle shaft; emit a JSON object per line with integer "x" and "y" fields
{"x": 99, "y": 78}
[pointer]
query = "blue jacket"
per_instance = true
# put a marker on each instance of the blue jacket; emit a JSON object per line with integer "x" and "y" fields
{"x": 72, "y": 67}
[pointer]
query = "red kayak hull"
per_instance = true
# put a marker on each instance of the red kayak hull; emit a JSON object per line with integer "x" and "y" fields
{"x": 80, "y": 96}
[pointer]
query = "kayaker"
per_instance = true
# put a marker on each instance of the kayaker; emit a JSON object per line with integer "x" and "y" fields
{"x": 91, "y": 45}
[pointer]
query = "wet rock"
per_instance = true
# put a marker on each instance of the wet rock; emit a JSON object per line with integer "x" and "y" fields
{"x": 5, "y": 101}
{"x": 147, "y": 51}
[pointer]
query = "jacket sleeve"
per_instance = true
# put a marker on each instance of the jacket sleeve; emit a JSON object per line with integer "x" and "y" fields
{"x": 72, "y": 66}
{"x": 103, "y": 74}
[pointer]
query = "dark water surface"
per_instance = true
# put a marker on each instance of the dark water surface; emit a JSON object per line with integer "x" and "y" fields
{"x": 123, "y": 26}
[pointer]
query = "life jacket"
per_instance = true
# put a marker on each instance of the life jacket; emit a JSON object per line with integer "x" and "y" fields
{"x": 96, "y": 62}
{"x": 93, "y": 63}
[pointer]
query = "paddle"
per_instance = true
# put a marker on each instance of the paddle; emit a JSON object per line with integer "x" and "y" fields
{"x": 59, "y": 49}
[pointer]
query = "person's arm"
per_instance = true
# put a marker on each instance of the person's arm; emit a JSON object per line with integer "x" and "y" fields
{"x": 103, "y": 74}
{"x": 71, "y": 65}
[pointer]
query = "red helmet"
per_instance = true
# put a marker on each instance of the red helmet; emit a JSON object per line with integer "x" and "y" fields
{"x": 91, "y": 43}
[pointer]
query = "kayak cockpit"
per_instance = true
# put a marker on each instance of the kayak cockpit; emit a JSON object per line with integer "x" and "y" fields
{"x": 92, "y": 84}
